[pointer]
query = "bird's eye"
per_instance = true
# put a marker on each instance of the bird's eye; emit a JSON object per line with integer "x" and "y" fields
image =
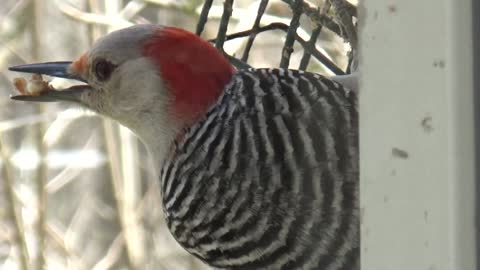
{"x": 103, "y": 69}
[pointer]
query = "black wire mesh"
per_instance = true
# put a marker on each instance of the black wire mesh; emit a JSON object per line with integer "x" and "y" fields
{"x": 341, "y": 21}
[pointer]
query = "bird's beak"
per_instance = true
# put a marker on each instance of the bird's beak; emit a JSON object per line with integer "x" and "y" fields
{"x": 55, "y": 69}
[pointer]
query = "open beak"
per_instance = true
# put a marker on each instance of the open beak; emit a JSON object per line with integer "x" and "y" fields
{"x": 54, "y": 69}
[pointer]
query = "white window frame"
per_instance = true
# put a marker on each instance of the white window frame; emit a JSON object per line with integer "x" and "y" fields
{"x": 417, "y": 135}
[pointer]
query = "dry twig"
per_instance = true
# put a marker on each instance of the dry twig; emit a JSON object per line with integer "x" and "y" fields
{"x": 41, "y": 177}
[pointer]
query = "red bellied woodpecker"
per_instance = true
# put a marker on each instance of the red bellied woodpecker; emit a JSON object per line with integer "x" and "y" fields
{"x": 258, "y": 167}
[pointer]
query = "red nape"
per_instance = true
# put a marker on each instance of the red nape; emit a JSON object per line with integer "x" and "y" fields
{"x": 192, "y": 69}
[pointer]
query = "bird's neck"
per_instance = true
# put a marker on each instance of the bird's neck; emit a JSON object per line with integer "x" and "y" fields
{"x": 157, "y": 132}
{"x": 195, "y": 74}
{"x": 159, "y": 147}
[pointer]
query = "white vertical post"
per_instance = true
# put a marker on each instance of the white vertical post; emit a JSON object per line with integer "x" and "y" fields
{"x": 417, "y": 148}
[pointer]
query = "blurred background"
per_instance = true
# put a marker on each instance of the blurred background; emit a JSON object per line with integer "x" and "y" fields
{"x": 77, "y": 190}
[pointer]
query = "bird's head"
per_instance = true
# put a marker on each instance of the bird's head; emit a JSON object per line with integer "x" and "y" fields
{"x": 155, "y": 80}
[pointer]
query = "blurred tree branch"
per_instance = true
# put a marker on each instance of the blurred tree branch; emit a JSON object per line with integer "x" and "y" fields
{"x": 19, "y": 234}
{"x": 38, "y": 131}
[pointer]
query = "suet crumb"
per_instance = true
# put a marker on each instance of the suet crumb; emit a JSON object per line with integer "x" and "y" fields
{"x": 33, "y": 87}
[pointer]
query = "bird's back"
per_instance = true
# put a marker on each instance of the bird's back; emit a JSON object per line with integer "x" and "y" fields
{"x": 269, "y": 179}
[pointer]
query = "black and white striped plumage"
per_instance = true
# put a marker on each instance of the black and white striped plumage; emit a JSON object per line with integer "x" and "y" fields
{"x": 269, "y": 179}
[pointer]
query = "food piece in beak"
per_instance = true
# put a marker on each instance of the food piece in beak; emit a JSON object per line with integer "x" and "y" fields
{"x": 39, "y": 90}
{"x": 20, "y": 85}
{"x": 35, "y": 86}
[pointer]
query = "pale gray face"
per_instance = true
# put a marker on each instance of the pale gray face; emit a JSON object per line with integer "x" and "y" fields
{"x": 110, "y": 66}
{"x": 124, "y": 80}
{"x": 100, "y": 67}
{"x": 112, "y": 51}
{"x": 121, "y": 83}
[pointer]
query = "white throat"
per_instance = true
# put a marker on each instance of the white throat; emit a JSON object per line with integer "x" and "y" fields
{"x": 158, "y": 142}
{"x": 141, "y": 103}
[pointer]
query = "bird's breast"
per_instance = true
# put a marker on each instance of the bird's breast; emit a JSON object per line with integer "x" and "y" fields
{"x": 269, "y": 179}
